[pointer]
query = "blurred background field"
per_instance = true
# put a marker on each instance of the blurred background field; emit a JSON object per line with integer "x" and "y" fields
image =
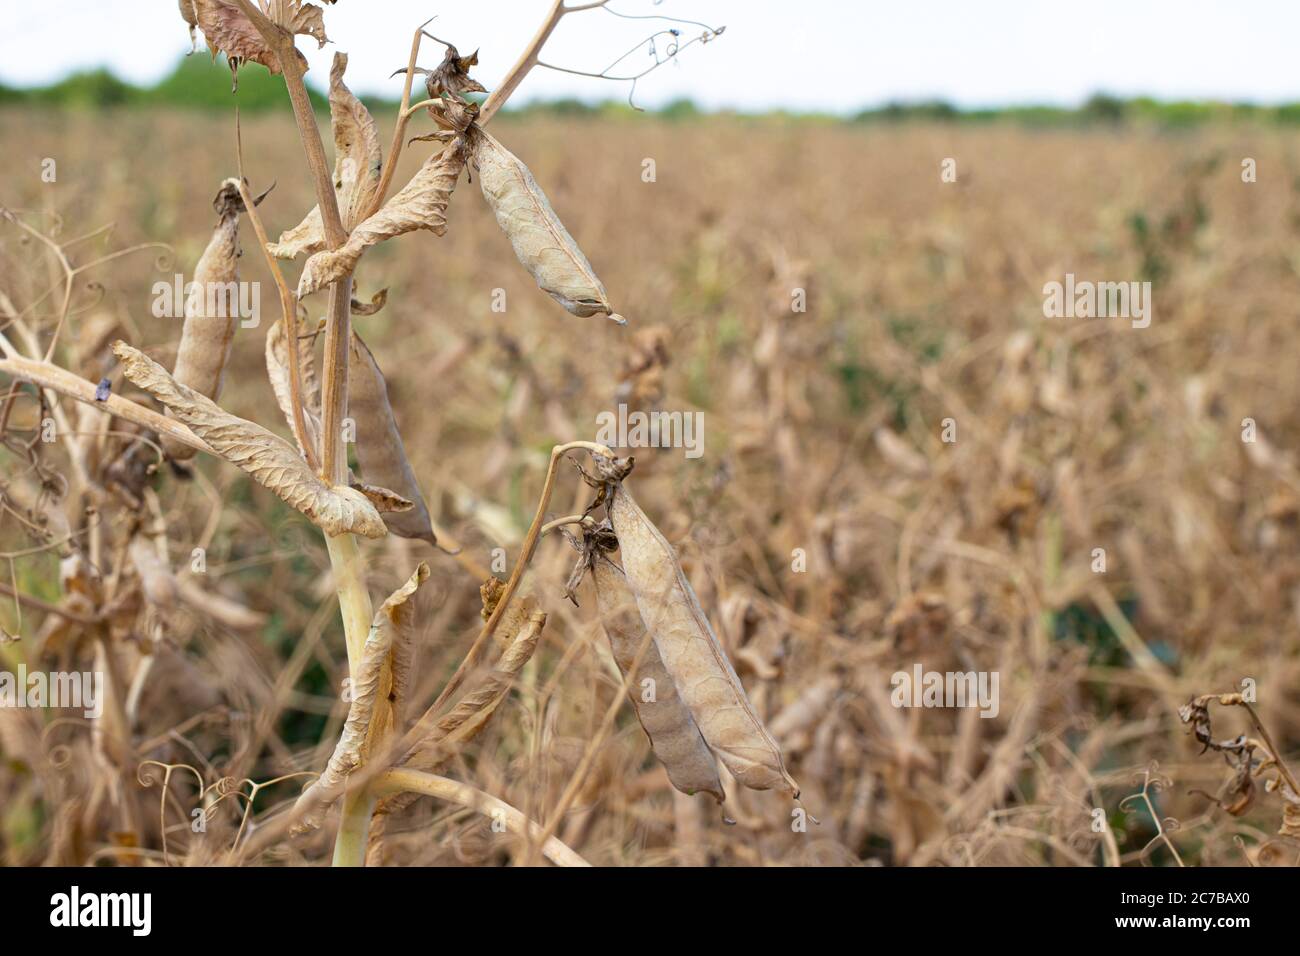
{"x": 822, "y": 433}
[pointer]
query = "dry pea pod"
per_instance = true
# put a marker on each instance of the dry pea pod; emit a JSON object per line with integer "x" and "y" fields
{"x": 206, "y": 339}
{"x": 674, "y": 735}
{"x": 541, "y": 243}
{"x": 156, "y": 580}
{"x": 690, "y": 650}
{"x": 380, "y": 452}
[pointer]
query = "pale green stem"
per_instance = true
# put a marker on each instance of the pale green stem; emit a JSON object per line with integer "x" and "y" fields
{"x": 354, "y": 600}
{"x": 354, "y": 605}
{"x": 354, "y": 828}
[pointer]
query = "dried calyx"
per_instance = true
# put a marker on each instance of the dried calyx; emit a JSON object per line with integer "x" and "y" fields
{"x": 451, "y": 76}
{"x": 1248, "y": 758}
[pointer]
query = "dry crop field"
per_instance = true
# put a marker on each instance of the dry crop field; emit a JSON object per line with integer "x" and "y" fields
{"x": 916, "y": 470}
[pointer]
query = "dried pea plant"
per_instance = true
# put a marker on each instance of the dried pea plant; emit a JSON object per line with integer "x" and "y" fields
{"x": 1249, "y": 758}
{"x": 685, "y": 692}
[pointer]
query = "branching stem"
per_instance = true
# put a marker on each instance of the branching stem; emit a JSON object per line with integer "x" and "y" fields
{"x": 397, "y": 781}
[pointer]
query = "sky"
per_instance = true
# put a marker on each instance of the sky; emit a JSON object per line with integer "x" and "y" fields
{"x": 829, "y": 55}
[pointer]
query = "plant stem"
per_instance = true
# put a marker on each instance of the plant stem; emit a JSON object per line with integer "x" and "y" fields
{"x": 527, "y": 60}
{"x": 396, "y": 781}
{"x": 399, "y": 133}
{"x": 345, "y": 557}
{"x": 354, "y": 605}
{"x": 288, "y": 309}
{"x": 1268, "y": 742}
{"x": 349, "y": 569}
{"x": 512, "y": 585}
{"x": 354, "y": 828}
{"x": 45, "y": 375}
{"x": 587, "y": 521}
{"x": 334, "y": 401}
{"x": 286, "y": 53}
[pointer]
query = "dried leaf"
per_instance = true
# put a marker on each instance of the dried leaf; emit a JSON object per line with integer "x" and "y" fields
{"x": 229, "y": 31}
{"x": 674, "y": 735}
{"x": 380, "y": 452}
{"x": 421, "y": 204}
{"x": 307, "y": 19}
{"x": 376, "y": 303}
{"x": 385, "y": 500}
{"x": 453, "y": 116}
{"x": 308, "y": 236}
{"x": 191, "y": 17}
{"x": 370, "y": 714}
{"x": 269, "y": 459}
{"x": 358, "y": 162}
{"x": 541, "y": 243}
{"x": 397, "y": 616}
{"x": 277, "y": 370}
{"x": 473, "y": 711}
{"x": 690, "y": 651}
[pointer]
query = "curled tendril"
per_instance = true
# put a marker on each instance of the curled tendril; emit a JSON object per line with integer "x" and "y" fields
{"x": 226, "y": 786}
{"x": 673, "y": 47}
{"x": 144, "y": 772}
{"x": 59, "y": 756}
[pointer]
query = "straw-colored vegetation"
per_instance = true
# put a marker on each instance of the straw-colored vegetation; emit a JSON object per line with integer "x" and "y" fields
{"x": 829, "y": 533}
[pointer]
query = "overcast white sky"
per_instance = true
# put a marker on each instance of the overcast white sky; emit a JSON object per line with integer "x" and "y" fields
{"x": 838, "y": 55}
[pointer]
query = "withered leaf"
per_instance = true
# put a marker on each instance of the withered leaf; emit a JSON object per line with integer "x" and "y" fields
{"x": 376, "y": 303}
{"x": 358, "y": 161}
{"x": 303, "y": 18}
{"x": 229, "y": 31}
{"x": 277, "y": 370}
{"x": 385, "y": 500}
{"x": 473, "y": 711}
{"x": 269, "y": 459}
{"x": 191, "y": 17}
{"x": 380, "y": 452}
{"x": 541, "y": 243}
{"x": 308, "y": 236}
{"x": 421, "y": 204}
{"x": 382, "y": 673}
